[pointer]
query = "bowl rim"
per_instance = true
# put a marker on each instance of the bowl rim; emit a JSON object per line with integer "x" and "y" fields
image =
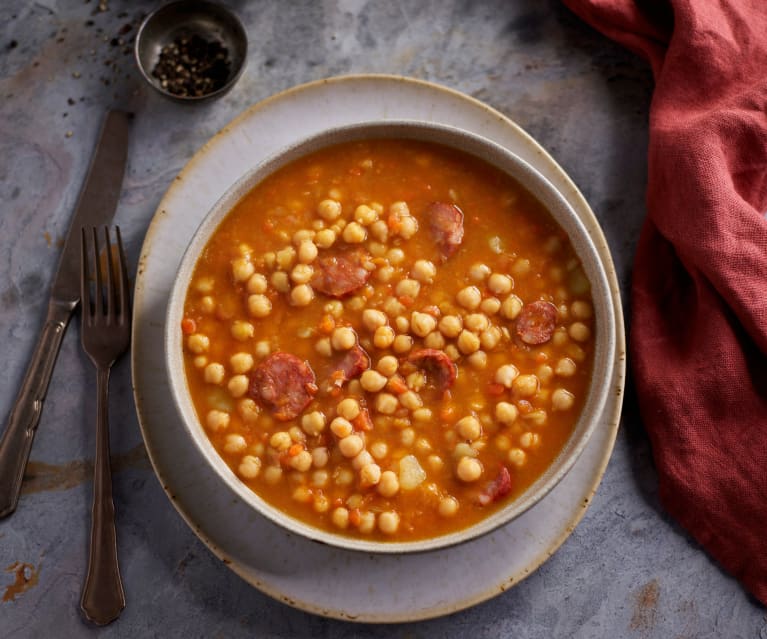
{"x": 473, "y": 144}
{"x": 146, "y": 74}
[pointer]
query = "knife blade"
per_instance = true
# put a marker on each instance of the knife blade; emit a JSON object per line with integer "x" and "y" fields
{"x": 95, "y": 207}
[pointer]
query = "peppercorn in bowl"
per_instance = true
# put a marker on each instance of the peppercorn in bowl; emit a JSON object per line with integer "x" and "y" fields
{"x": 391, "y": 337}
{"x": 191, "y": 50}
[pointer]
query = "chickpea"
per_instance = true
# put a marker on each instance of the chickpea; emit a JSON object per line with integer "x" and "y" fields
{"x": 320, "y": 457}
{"x": 329, "y": 210}
{"x": 469, "y": 469}
{"x": 198, "y": 343}
{"x": 241, "y": 362}
{"x": 469, "y": 297}
{"x": 565, "y": 367}
{"x": 379, "y": 449}
{"x": 323, "y": 347}
{"x": 521, "y": 267}
{"x": 285, "y": 258}
{"x": 388, "y": 522}
{"x": 411, "y": 400}
{"x": 448, "y": 506}
{"x": 517, "y": 457}
{"x": 423, "y": 271}
{"x": 402, "y": 344}
{"x": 370, "y": 475}
{"x": 467, "y": 342}
{"x": 579, "y": 332}
{"x": 387, "y": 365}
{"x": 506, "y": 413}
{"x": 379, "y": 230}
{"x": 351, "y": 445}
{"x": 313, "y": 423}
{"x": 544, "y": 373}
{"x": 422, "y": 323}
{"x": 238, "y": 385}
{"x": 479, "y": 272}
{"x": 242, "y": 331}
{"x": 340, "y": 517}
{"x": 506, "y": 374}
{"x": 217, "y": 420}
{"x": 408, "y": 287}
{"x": 372, "y": 319}
{"x": 422, "y": 414}
{"x": 529, "y": 440}
{"x": 581, "y": 310}
{"x": 341, "y": 427}
{"x": 249, "y": 467}
{"x": 272, "y": 475}
{"x": 477, "y": 360}
{"x": 348, "y": 408}
{"x": 525, "y": 385}
{"x": 364, "y": 215}
{"x": 204, "y": 285}
{"x": 490, "y": 338}
{"x": 469, "y": 428}
{"x": 367, "y": 522}
{"x": 301, "y": 462}
{"x": 354, "y": 233}
{"x": 325, "y": 238}
{"x": 451, "y": 325}
{"x": 307, "y": 251}
{"x": 280, "y": 440}
{"x": 301, "y": 273}
{"x": 476, "y": 322}
{"x": 408, "y": 227}
{"x": 500, "y": 284}
{"x": 383, "y": 337}
{"x": 562, "y": 399}
{"x": 242, "y": 269}
{"x": 435, "y": 462}
{"x": 384, "y": 274}
{"x": 248, "y": 410}
{"x": 200, "y": 361}
{"x": 395, "y": 256}
{"x": 372, "y": 381}
{"x": 259, "y": 305}
{"x": 511, "y": 307}
{"x": 388, "y": 485}
{"x": 235, "y": 444}
{"x": 207, "y": 304}
{"x": 280, "y": 281}
{"x": 343, "y": 338}
{"x": 214, "y": 373}
{"x": 434, "y": 340}
{"x": 301, "y": 295}
{"x": 402, "y": 324}
{"x": 386, "y": 403}
{"x": 393, "y": 307}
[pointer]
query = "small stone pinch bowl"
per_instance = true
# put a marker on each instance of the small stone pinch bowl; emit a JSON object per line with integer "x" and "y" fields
{"x": 211, "y": 21}
{"x": 605, "y": 332}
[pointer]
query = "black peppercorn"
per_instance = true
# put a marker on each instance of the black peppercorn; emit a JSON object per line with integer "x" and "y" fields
{"x": 192, "y": 66}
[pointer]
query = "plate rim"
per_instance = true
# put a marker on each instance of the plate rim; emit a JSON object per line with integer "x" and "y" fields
{"x": 611, "y": 420}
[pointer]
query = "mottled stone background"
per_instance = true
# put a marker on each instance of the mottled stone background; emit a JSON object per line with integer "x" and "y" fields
{"x": 626, "y": 571}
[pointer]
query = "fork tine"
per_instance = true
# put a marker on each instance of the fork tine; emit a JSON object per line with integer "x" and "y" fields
{"x": 98, "y": 298}
{"x": 85, "y": 285}
{"x": 110, "y": 284}
{"x": 122, "y": 285}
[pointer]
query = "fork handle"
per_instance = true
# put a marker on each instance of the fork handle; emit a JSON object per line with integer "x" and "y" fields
{"x": 16, "y": 443}
{"x": 103, "y": 597}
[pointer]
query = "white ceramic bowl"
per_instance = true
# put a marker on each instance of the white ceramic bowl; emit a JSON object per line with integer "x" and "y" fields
{"x": 527, "y": 176}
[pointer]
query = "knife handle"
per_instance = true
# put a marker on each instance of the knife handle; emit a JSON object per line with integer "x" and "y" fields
{"x": 16, "y": 442}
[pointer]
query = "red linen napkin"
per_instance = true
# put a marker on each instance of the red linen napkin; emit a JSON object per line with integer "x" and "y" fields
{"x": 699, "y": 291}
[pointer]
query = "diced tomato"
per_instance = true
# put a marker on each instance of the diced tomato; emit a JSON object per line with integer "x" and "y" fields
{"x": 188, "y": 326}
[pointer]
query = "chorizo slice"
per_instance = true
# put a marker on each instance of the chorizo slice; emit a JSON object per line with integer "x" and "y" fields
{"x": 350, "y": 365}
{"x": 284, "y": 383}
{"x": 536, "y": 322}
{"x": 446, "y": 226}
{"x": 341, "y": 272}
{"x": 497, "y": 488}
{"x": 443, "y": 370}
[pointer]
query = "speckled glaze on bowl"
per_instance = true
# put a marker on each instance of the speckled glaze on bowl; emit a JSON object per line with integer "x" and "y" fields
{"x": 527, "y": 176}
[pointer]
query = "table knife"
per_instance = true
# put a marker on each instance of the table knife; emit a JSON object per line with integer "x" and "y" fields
{"x": 95, "y": 207}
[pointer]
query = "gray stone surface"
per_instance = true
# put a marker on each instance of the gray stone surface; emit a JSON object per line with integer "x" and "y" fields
{"x": 626, "y": 571}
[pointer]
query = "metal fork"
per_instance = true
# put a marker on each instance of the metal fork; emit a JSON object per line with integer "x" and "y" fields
{"x": 105, "y": 333}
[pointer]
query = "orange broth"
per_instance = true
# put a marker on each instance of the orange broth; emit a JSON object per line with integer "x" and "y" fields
{"x": 506, "y": 231}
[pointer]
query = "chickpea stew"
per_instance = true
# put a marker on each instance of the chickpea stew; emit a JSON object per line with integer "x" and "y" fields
{"x": 388, "y": 339}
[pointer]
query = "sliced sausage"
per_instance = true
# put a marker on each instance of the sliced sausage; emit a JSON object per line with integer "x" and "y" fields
{"x": 341, "y": 272}
{"x": 350, "y": 365}
{"x": 536, "y": 322}
{"x": 284, "y": 383}
{"x": 443, "y": 370}
{"x": 446, "y": 226}
{"x": 497, "y": 488}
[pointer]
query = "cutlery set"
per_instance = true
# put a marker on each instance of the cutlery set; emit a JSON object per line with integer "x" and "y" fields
{"x": 92, "y": 272}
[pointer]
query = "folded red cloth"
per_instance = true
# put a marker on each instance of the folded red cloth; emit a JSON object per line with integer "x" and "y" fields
{"x": 699, "y": 291}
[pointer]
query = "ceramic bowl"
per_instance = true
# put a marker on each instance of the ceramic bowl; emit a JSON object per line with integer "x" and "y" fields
{"x": 210, "y": 21}
{"x": 528, "y": 177}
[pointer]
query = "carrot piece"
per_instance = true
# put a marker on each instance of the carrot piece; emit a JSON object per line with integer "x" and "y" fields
{"x": 396, "y": 384}
{"x": 188, "y": 326}
{"x": 495, "y": 389}
{"x": 327, "y": 324}
{"x": 295, "y": 449}
{"x": 394, "y": 222}
{"x": 355, "y": 517}
{"x": 406, "y": 300}
{"x": 363, "y": 421}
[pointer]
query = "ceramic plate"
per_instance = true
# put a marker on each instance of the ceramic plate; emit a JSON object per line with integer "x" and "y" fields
{"x": 317, "y": 578}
